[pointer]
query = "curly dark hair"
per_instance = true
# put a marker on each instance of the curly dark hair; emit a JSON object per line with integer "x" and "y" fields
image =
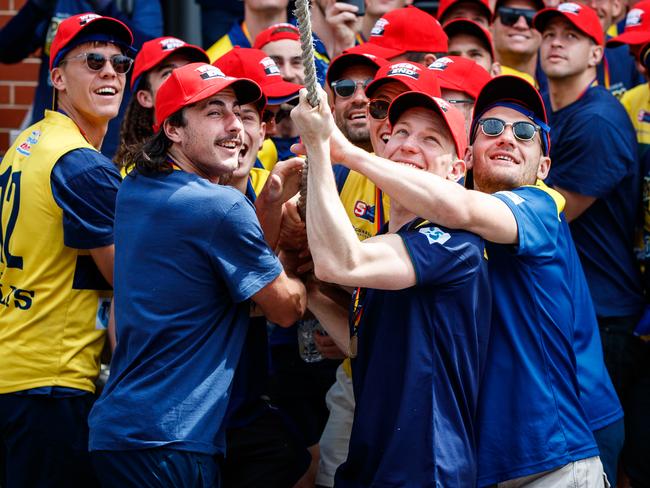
{"x": 136, "y": 126}
{"x": 150, "y": 156}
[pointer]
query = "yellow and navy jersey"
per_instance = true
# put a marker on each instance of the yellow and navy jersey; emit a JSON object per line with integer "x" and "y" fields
{"x": 256, "y": 181}
{"x": 267, "y": 157}
{"x": 506, "y": 70}
{"x": 637, "y": 105}
{"x": 54, "y": 305}
{"x": 238, "y": 35}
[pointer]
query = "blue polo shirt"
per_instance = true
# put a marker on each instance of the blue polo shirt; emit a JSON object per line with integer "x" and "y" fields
{"x": 189, "y": 255}
{"x": 594, "y": 153}
{"x": 530, "y": 416}
{"x": 421, "y": 353}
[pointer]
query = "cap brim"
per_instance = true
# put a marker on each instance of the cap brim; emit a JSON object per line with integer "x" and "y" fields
{"x": 281, "y": 89}
{"x": 509, "y": 88}
{"x": 629, "y": 38}
{"x": 375, "y": 50}
{"x": 347, "y": 59}
{"x": 468, "y": 26}
{"x": 246, "y": 91}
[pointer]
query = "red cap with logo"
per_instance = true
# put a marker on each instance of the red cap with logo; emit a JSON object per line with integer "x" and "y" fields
{"x": 461, "y": 74}
{"x": 584, "y": 18}
{"x": 444, "y": 6}
{"x": 452, "y": 117}
{"x": 90, "y": 27}
{"x": 403, "y": 30}
{"x": 469, "y": 27}
{"x": 637, "y": 26}
{"x": 195, "y": 82}
{"x": 155, "y": 51}
{"x": 414, "y": 76}
{"x": 243, "y": 62}
{"x": 339, "y": 64}
{"x": 276, "y": 32}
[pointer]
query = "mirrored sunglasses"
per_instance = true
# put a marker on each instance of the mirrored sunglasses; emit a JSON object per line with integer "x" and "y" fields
{"x": 493, "y": 127}
{"x": 345, "y": 88}
{"x": 96, "y": 62}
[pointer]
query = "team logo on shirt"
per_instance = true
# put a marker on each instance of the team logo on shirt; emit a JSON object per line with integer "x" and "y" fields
{"x": 270, "y": 68}
{"x": 404, "y": 69}
{"x": 364, "y": 211}
{"x": 634, "y": 18}
{"x": 569, "y": 8}
{"x": 26, "y": 147}
{"x": 170, "y": 44}
{"x": 643, "y": 116}
{"x": 379, "y": 27}
{"x": 207, "y": 72}
{"x": 435, "y": 235}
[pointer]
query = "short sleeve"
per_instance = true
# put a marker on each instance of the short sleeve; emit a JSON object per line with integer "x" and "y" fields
{"x": 84, "y": 184}
{"x": 242, "y": 257}
{"x": 538, "y": 220}
{"x": 594, "y": 156}
{"x": 441, "y": 256}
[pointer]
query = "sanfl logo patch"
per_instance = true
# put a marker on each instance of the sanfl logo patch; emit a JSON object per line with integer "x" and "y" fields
{"x": 435, "y": 235}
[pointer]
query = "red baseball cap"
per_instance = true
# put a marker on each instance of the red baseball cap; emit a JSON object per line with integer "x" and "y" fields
{"x": 414, "y": 76}
{"x": 194, "y": 82}
{"x": 466, "y": 26}
{"x": 584, "y": 18}
{"x": 637, "y": 26}
{"x": 444, "y": 6}
{"x": 462, "y": 74}
{"x": 87, "y": 27}
{"x": 402, "y": 30}
{"x": 243, "y": 62}
{"x": 157, "y": 50}
{"x": 276, "y": 32}
{"x": 514, "y": 92}
{"x": 453, "y": 118}
{"x": 342, "y": 61}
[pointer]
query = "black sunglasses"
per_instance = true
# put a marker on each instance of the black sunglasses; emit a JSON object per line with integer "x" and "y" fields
{"x": 345, "y": 88}
{"x": 96, "y": 61}
{"x": 493, "y": 127}
{"x": 509, "y": 16}
{"x": 378, "y": 109}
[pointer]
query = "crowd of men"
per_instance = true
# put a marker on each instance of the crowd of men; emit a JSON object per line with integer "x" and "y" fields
{"x": 471, "y": 231}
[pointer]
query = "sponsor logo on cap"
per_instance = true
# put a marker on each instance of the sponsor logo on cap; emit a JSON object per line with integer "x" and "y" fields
{"x": 569, "y": 8}
{"x": 84, "y": 19}
{"x": 379, "y": 27}
{"x": 634, "y": 17}
{"x": 171, "y": 44}
{"x": 207, "y": 72}
{"x": 404, "y": 69}
{"x": 441, "y": 64}
{"x": 270, "y": 68}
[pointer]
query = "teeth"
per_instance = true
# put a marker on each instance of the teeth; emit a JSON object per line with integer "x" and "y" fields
{"x": 385, "y": 138}
{"x": 358, "y": 116}
{"x": 228, "y": 144}
{"x": 505, "y": 158}
{"x": 106, "y": 91}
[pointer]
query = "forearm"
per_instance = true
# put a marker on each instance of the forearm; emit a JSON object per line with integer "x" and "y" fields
{"x": 332, "y": 316}
{"x": 270, "y": 217}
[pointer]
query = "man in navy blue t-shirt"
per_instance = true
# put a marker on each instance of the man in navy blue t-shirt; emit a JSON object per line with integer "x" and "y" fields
{"x": 595, "y": 168}
{"x": 419, "y": 319}
{"x": 190, "y": 256}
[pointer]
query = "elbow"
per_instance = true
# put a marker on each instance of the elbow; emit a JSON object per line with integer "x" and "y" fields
{"x": 325, "y": 272}
{"x": 291, "y": 310}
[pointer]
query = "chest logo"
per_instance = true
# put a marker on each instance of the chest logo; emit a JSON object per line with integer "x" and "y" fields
{"x": 435, "y": 235}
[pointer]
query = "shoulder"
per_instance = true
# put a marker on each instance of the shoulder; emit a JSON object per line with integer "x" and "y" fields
{"x": 84, "y": 161}
{"x": 538, "y": 197}
{"x": 430, "y": 237}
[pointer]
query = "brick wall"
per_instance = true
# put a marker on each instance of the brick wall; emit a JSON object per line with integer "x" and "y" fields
{"x": 17, "y": 83}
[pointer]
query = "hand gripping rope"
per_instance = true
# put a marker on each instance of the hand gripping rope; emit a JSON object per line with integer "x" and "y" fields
{"x": 307, "y": 44}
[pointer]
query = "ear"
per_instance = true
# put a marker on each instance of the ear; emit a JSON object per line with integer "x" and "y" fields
{"x": 262, "y": 135}
{"x": 58, "y": 78}
{"x": 495, "y": 70}
{"x": 145, "y": 98}
{"x": 429, "y": 58}
{"x": 544, "y": 167}
{"x": 173, "y": 132}
{"x": 469, "y": 158}
{"x": 595, "y": 55}
{"x": 457, "y": 170}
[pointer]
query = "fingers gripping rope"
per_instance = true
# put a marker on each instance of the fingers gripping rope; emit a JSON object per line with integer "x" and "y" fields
{"x": 307, "y": 44}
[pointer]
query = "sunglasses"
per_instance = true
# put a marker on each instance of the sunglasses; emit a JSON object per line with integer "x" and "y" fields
{"x": 510, "y": 16}
{"x": 96, "y": 61}
{"x": 269, "y": 116}
{"x": 493, "y": 127}
{"x": 378, "y": 109}
{"x": 346, "y": 88}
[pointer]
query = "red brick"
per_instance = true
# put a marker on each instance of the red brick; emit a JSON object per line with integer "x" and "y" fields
{"x": 4, "y": 4}
{"x": 19, "y": 72}
{"x": 18, "y": 4}
{"x": 4, "y": 94}
{"x": 24, "y": 95}
{"x": 12, "y": 117}
{"x": 4, "y": 142}
{"x": 4, "y": 19}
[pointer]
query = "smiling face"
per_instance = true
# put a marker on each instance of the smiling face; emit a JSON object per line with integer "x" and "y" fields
{"x": 518, "y": 38}
{"x": 505, "y": 162}
{"x": 287, "y": 54}
{"x": 380, "y": 128}
{"x": 350, "y": 113}
{"x": 252, "y": 139}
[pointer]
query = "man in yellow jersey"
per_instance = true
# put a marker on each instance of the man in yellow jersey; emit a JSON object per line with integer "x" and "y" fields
{"x": 56, "y": 271}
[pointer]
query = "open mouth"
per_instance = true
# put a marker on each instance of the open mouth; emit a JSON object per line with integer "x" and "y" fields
{"x": 230, "y": 144}
{"x": 384, "y": 138}
{"x": 106, "y": 91}
{"x": 505, "y": 157}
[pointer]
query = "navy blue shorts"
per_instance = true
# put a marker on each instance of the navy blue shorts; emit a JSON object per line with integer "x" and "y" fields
{"x": 44, "y": 441}
{"x": 159, "y": 468}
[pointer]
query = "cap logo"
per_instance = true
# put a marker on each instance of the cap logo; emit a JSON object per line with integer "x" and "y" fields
{"x": 84, "y": 19}
{"x": 207, "y": 72}
{"x": 379, "y": 27}
{"x": 442, "y": 104}
{"x": 569, "y": 8}
{"x": 634, "y": 18}
{"x": 270, "y": 68}
{"x": 171, "y": 43}
{"x": 441, "y": 64}
{"x": 404, "y": 69}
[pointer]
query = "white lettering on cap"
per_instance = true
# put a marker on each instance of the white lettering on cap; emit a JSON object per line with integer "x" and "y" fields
{"x": 441, "y": 64}
{"x": 84, "y": 19}
{"x": 569, "y": 8}
{"x": 634, "y": 17}
{"x": 208, "y": 72}
{"x": 404, "y": 69}
{"x": 379, "y": 27}
{"x": 171, "y": 44}
{"x": 270, "y": 68}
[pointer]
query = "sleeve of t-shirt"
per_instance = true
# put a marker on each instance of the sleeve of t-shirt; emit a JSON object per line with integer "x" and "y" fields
{"x": 442, "y": 256}
{"x": 84, "y": 184}
{"x": 595, "y": 157}
{"x": 241, "y": 255}
{"x": 538, "y": 220}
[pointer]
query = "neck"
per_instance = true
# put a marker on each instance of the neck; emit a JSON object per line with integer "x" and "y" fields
{"x": 521, "y": 62}
{"x": 258, "y": 20}
{"x": 184, "y": 163}
{"x": 93, "y": 129}
{"x": 565, "y": 91}
{"x": 398, "y": 217}
{"x": 239, "y": 183}
{"x": 367, "y": 24}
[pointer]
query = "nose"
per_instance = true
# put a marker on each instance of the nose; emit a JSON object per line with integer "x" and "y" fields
{"x": 521, "y": 23}
{"x": 107, "y": 70}
{"x": 232, "y": 122}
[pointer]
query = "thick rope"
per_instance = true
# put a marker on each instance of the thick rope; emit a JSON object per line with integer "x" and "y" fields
{"x": 307, "y": 44}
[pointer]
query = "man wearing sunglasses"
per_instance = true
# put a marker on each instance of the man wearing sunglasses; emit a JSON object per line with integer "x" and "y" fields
{"x": 595, "y": 168}
{"x": 544, "y": 365}
{"x": 419, "y": 316}
{"x": 57, "y": 258}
